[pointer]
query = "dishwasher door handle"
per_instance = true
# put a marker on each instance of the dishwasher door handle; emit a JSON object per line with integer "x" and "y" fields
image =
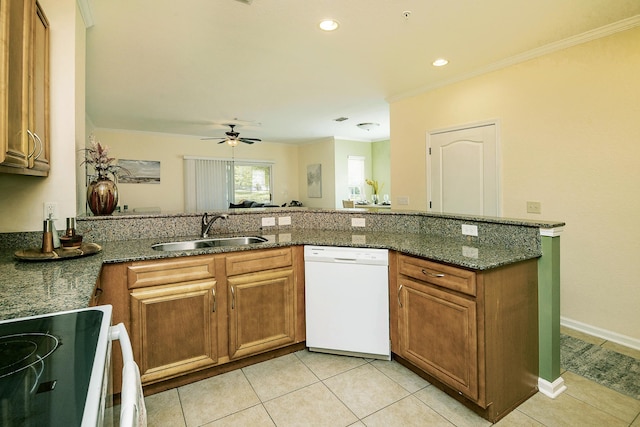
{"x": 350, "y": 260}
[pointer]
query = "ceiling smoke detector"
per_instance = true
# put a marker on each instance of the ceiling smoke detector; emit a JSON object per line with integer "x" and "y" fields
{"x": 368, "y": 126}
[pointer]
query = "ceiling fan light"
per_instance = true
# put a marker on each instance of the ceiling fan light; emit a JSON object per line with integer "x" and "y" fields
{"x": 329, "y": 25}
{"x": 232, "y": 142}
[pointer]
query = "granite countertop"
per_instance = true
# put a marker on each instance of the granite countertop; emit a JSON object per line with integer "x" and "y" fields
{"x": 37, "y": 287}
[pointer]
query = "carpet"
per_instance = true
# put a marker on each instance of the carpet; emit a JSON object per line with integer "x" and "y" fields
{"x": 606, "y": 367}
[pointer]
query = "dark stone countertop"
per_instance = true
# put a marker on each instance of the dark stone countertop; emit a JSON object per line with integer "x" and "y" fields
{"x": 37, "y": 287}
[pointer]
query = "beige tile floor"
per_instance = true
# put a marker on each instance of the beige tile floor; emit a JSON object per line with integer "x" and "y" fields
{"x": 313, "y": 389}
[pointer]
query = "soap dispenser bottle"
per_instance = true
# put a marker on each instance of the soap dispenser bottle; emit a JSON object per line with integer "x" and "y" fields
{"x": 54, "y": 232}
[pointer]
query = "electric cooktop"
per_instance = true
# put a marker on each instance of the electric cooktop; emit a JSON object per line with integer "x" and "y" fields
{"x": 45, "y": 368}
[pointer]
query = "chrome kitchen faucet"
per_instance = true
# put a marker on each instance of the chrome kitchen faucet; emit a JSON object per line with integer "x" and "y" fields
{"x": 208, "y": 222}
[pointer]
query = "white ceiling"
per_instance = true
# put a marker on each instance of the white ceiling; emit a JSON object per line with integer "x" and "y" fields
{"x": 184, "y": 67}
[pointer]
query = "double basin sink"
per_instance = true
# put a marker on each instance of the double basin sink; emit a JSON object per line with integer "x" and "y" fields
{"x": 208, "y": 243}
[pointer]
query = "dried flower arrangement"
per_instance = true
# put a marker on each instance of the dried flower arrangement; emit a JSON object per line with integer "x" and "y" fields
{"x": 98, "y": 157}
{"x": 374, "y": 185}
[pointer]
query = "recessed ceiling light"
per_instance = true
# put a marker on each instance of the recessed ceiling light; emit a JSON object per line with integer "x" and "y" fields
{"x": 329, "y": 25}
{"x": 440, "y": 62}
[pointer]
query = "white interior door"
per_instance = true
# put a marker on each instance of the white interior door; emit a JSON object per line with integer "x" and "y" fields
{"x": 462, "y": 169}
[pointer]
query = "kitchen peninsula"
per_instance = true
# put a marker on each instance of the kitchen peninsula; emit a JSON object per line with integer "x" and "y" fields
{"x": 420, "y": 241}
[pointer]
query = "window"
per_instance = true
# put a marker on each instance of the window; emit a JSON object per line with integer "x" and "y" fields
{"x": 252, "y": 181}
{"x": 214, "y": 183}
{"x": 355, "y": 177}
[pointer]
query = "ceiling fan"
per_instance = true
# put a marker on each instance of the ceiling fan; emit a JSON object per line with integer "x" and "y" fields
{"x": 233, "y": 137}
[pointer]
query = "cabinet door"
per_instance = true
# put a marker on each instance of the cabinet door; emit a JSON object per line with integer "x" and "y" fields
{"x": 15, "y": 30}
{"x": 24, "y": 88}
{"x": 438, "y": 333}
{"x": 173, "y": 328}
{"x": 39, "y": 92}
{"x": 261, "y": 311}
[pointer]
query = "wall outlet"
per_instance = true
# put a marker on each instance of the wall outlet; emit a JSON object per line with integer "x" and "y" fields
{"x": 534, "y": 207}
{"x": 284, "y": 220}
{"x": 358, "y": 222}
{"x": 469, "y": 230}
{"x": 50, "y": 209}
{"x": 403, "y": 200}
{"x": 268, "y": 222}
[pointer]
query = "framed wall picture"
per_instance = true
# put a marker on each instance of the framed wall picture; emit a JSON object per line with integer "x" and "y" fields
{"x": 314, "y": 180}
{"x": 140, "y": 172}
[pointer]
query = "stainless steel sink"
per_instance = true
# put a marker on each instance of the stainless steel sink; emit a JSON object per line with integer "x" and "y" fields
{"x": 208, "y": 243}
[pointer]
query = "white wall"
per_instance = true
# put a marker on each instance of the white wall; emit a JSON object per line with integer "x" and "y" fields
{"x": 381, "y": 166}
{"x": 22, "y": 197}
{"x": 323, "y": 152}
{"x": 570, "y": 139}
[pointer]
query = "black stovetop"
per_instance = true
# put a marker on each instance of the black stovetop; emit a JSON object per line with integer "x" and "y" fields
{"x": 45, "y": 368}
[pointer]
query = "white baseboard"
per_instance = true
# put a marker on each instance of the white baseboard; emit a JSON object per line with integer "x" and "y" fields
{"x": 553, "y": 389}
{"x": 601, "y": 333}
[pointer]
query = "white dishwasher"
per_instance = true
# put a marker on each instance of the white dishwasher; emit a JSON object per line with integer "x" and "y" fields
{"x": 347, "y": 301}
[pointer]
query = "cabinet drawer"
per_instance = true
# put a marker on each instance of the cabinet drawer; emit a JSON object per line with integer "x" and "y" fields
{"x": 252, "y": 261}
{"x": 453, "y": 278}
{"x": 163, "y": 272}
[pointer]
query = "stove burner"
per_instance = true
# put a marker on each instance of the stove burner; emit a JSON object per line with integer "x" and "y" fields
{"x": 21, "y": 351}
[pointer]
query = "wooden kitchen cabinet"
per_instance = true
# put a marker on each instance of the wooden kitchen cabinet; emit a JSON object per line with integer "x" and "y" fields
{"x": 192, "y": 317}
{"x": 474, "y": 333}
{"x": 24, "y": 88}
{"x": 262, "y": 301}
{"x": 174, "y": 316}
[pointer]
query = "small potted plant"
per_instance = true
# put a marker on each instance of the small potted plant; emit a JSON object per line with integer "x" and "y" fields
{"x": 102, "y": 191}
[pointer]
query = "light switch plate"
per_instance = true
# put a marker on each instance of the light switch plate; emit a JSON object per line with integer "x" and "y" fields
{"x": 358, "y": 222}
{"x": 469, "y": 230}
{"x": 534, "y": 207}
{"x": 268, "y": 222}
{"x": 284, "y": 220}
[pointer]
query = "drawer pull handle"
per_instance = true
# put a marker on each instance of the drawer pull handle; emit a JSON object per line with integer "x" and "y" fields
{"x": 425, "y": 272}
{"x": 97, "y": 294}
{"x": 213, "y": 294}
{"x": 399, "y": 301}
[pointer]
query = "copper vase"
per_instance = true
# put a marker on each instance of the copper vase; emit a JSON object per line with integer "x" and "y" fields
{"x": 102, "y": 196}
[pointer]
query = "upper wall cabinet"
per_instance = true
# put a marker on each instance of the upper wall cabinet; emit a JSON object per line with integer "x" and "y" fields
{"x": 24, "y": 88}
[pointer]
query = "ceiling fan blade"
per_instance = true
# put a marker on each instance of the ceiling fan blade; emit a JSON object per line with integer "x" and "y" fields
{"x": 211, "y": 137}
{"x": 251, "y": 139}
{"x": 246, "y": 141}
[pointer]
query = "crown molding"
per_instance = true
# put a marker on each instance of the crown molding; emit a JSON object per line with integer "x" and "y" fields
{"x": 85, "y": 11}
{"x": 607, "y": 30}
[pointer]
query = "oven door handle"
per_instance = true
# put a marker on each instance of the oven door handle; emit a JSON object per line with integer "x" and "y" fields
{"x": 132, "y": 409}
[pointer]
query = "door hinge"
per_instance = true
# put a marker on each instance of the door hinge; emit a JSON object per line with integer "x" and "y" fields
{"x": 429, "y": 150}
{"x": 430, "y": 206}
